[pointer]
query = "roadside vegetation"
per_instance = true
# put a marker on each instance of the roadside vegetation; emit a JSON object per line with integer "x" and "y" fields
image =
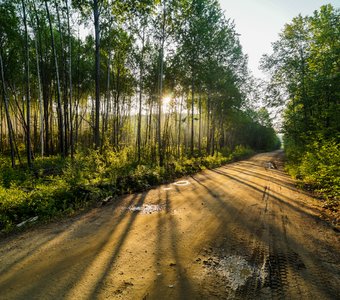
{"x": 56, "y": 186}
{"x": 305, "y": 76}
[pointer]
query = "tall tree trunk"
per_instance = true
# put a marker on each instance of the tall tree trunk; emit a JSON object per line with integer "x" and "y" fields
{"x": 161, "y": 58}
{"x": 41, "y": 113}
{"x": 141, "y": 67}
{"x": 28, "y": 96}
{"x": 9, "y": 123}
{"x": 97, "y": 73}
{"x": 192, "y": 116}
{"x": 59, "y": 108}
{"x": 40, "y": 97}
{"x": 179, "y": 128}
{"x": 64, "y": 81}
{"x": 108, "y": 98}
{"x": 45, "y": 112}
{"x": 208, "y": 125}
{"x": 35, "y": 131}
{"x": 70, "y": 77}
{"x": 199, "y": 122}
{"x": 1, "y": 128}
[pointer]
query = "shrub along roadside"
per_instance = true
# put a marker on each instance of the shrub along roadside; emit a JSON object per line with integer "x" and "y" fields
{"x": 57, "y": 187}
{"x": 317, "y": 167}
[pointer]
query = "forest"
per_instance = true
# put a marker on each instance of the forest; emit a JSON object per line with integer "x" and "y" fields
{"x": 304, "y": 80}
{"x": 101, "y": 98}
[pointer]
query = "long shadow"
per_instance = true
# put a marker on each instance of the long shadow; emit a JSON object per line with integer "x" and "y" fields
{"x": 161, "y": 221}
{"x": 185, "y": 285}
{"x": 261, "y": 176}
{"x": 230, "y": 209}
{"x": 248, "y": 227}
{"x": 118, "y": 247}
{"x": 39, "y": 246}
{"x": 233, "y": 209}
{"x": 275, "y": 195}
{"x": 252, "y": 186}
{"x": 273, "y": 179}
{"x": 167, "y": 242}
{"x": 278, "y": 231}
{"x": 73, "y": 259}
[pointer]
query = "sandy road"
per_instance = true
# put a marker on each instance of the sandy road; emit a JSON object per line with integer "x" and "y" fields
{"x": 237, "y": 232}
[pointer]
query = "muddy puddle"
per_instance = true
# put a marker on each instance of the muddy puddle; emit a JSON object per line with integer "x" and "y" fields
{"x": 145, "y": 208}
{"x": 233, "y": 270}
{"x": 181, "y": 183}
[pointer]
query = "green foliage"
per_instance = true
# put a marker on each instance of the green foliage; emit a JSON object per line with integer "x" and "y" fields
{"x": 305, "y": 77}
{"x": 57, "y": 186}
{"x": 319, "y": 167}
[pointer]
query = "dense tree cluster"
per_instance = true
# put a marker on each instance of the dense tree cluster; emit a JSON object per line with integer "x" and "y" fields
{"x": 163, "y": 78}
{"x": 305, "y": 77}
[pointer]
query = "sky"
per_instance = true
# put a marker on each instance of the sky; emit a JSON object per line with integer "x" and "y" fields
{"x": 259, "y": 22}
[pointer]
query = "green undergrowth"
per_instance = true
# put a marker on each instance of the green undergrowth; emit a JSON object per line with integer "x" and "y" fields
{"x": 56, "y": 187}
{"x": 317, "y": 169}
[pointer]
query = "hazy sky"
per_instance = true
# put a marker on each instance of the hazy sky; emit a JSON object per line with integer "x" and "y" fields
{"x": 260, "y": 21}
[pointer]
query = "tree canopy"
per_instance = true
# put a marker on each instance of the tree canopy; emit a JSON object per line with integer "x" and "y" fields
{"x": 305, "y": 76}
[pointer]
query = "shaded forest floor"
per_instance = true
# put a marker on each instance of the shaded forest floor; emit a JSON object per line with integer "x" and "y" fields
{"x": 241, "y": 231}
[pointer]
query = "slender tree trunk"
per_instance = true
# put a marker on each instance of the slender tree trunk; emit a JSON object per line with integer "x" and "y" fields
{"x": 179, "y": 128}
{"x": 159, "y": 135}
{"x": 97, "y": 73}
{"x": 141, "y": 67}
{"x": 70, "y": 77}
{"x": 1, "y": 127}
{"x": 199, "y": 122}
{"x": 116, "y": 106}
{"x": 28, "y": 96}
{"x": 106, "y": 113}
{"x": 43, "y": 85}
{"x": 35, "y": 131}
{"x": 192, "y": 116}
{"x": 59, "y": 108}
{"x": 9, "y": 123}
{"x": 213, "y": 128}
{"x": 63, "y": 81}
{"x": 41, "y": 113}
{"x": 208, "y": 125}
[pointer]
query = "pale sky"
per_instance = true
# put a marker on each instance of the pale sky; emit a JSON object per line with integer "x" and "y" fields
{"x": 259, "y": 22}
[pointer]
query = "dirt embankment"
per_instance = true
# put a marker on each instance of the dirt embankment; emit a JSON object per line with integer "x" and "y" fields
{"x": 242, "y": 231}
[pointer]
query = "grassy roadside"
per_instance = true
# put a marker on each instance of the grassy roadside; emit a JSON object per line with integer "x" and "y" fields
{"x": 57, "y": 187}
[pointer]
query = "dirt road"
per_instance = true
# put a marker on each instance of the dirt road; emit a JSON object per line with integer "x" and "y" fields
{"x": 241, "y": 231}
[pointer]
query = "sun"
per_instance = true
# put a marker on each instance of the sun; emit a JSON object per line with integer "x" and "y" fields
{"x": 166, "y": 100}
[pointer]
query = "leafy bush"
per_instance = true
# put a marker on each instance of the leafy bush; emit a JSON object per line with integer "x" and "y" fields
{"x": 320, "y": 167}
{"x": 242, "y": 151}
{"x": 316, "y": 164}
